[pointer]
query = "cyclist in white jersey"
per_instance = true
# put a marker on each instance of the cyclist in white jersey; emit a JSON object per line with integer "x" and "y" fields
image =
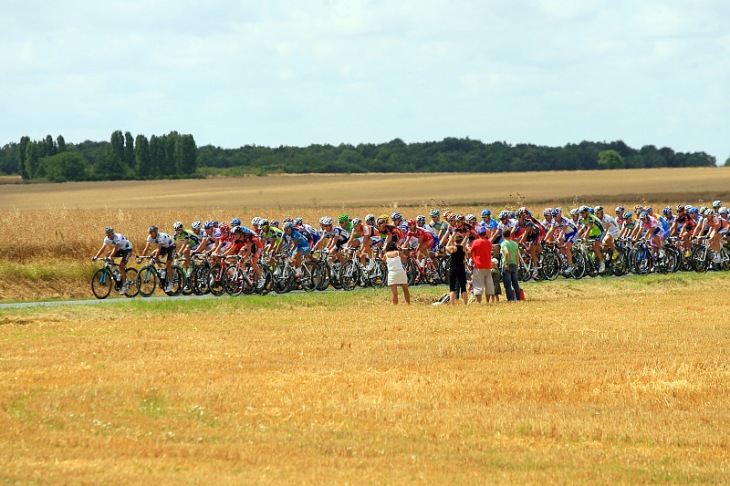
{"x": 165, "y": 247}
{"x": 122, "y": 248}
{"x": 612, "y": 229}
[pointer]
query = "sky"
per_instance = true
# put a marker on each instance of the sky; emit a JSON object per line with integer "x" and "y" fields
{"x": 301, "y": 72}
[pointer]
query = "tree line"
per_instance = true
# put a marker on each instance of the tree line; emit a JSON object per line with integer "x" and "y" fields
{"x": 176, "y": 155}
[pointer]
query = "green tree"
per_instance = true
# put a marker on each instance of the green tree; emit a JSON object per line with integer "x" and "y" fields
{"x": 32, "y": 159}
{"x": 143, "y": 160}
{"x": 117, "y": 146}
{"x": 727, "y": 162}
{"x": 610, "y": 159}
{"x": 60, "y": 144}
{"x": 186, "y": 153}
{"x": 157, "y": 155}
{"x": 49, "y": 147}
{"x": 129, "y": 150}
{"x": 169, "y": 167}
{"x": 22, "y": 157}
{"x": 66, "y": 166}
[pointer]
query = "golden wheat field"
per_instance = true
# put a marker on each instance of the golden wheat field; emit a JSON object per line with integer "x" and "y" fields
{"x": 598, "y": 381}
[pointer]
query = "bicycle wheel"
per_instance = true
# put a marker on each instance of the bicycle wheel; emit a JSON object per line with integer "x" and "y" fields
{"x": 178, "y": 281}
{"x": 216, "y": 280}
{"x": 642, "y": 262}
{"x": 379, "y": 275}
{"x": 132, "y": 289}
{"x": 199, "y": 279}
{"x": 307, "y": 280}
{"x": 101, "y": 283}
{"x": 349, "y": 275}
{"x": 323, "y": 276}
{"x": 147, "y": 280}
{"x": 579, "y": 266}
{"x": 550, "y": 266}
{"x": 700, "y": 258}
{"x": 620, "y": 265}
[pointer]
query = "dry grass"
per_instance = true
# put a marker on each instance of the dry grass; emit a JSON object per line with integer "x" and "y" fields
{"x": 326, "y": 389}
{"x": 364, "y": 191}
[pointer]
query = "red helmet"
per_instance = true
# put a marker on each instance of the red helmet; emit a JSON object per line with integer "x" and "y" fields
{"x": 411, "y": 222}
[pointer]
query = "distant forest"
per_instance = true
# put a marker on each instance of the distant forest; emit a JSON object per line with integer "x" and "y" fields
{"x": 176, "y": 155}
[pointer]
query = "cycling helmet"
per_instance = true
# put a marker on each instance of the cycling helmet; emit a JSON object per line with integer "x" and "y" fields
{"x": 555, "y": 212}
{"x": 411, "y": 222}
{"x": 693, "y": 210}
{"x": 521, "y": 211}
{"x": 289, "y": 225}
{"x": 237, "y": 230}
{"x": 503, "y": 214}
{"x": 708, "y": 212}
{"x": 620, "y": 209}
{"x": 256, "y": 221}
{"x": 451, "y": 217}
{"x": 381, "y": 221}
{"x": 370, "y": 219}
{"x": 547, "y": 212}
{"x": 460, "y": 217}
{"x": 470, "y": 218}
{"x": 264, "y": 222}
{"x": 435, "y": 213}
{"x": 702, "y": 209}
{"x": 627, "y": 215}
{"x": 421, "y": 219}
{"x": 224, "y": 227}
{"x": 591, "y": 210}
{"x": 109, "y": 230}
{"x": 644, "y": 215}
{"x": 722, "y": 210}
{"x": 298, "y": 221}
{"x": 396, "y": 215}
{"x": 343, "y": 218}
{"x": 152, "y": 229}
{"x": 384, "y": 216}
{"x": 288, "y": 220}
{"x": 598, "y": 209}
{"x": 196, "y": 225}
{"x": 215, "y": 223}
{"x": 716, "y": 204}
{"x": 667, "y": 211}
{"x": 208, "y": 224}
{"x": 481, "y": 230}
{"x": 681, "y": 207}
{"x": 486, "y": 212}
{"x": 235, "y": 222}
{"x": 275, "y": 223}
{"x": 356, "y": 221}
{"x": 447, "y": 213}
{"x": 177, "y": 226}
{"x": 575, "y": 211}
{"x": 325, "y": 221}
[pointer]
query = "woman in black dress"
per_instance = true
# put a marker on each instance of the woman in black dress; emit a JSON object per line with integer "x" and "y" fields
{"x": 457, "y": 270}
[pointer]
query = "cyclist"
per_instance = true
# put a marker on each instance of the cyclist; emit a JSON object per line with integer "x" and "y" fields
{"x": 297, "y": 244}
{"x": 421, "y": 223}
{"x": 251, "y": 248}
{"x": 270, "y": 235}
{"x": 423, "y": 240}
{"x": 364, "y": 237}
{"x": 619, "y": 216}
{"x": 716, "y": 230}
{"x": 210, "y": 236}
{"x": 165, "y": 248}
{"x": 399, "y": 221}
{"x": 487, "y": 220}
{"x": 593, "y": 231}
{"x": 628, "y": 226}
{"x": 563, "y": 229}
{"x": 187, "y": 241}
{"x": 652, "y": 232}
{"x": 666, "y": 220}
{"x": 438, "y": 225}
{"x": 389, "y": 232}
{"x": 333, "y": 238}
{"x": 612, "y": 230}
{"x": 122, "y": 248}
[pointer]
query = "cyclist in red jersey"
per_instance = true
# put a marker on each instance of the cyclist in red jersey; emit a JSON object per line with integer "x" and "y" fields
{"x": 425, "y": 238}
{"x": 389, "y": 232}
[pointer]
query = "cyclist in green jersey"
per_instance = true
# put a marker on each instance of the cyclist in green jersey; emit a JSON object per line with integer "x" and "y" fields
{"x": 593, "y": 231}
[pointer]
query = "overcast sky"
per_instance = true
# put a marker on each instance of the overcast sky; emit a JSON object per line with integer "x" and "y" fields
{"x": 297, "y": 72}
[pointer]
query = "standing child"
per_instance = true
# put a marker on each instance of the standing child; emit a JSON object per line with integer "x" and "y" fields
{"x": 496, "y": 279}
{"x": 396, "y": 273}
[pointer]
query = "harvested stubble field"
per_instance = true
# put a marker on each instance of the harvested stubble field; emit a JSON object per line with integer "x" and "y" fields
{"x": 600, "y": 381}
{"x": 334, "y": 388}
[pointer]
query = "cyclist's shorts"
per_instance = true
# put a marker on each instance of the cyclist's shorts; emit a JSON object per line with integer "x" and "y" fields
{"x": 435, "y": 244}
{"x": 304, "y": 249}
{"x": 598, "y": 237}
{"x": 168, "y": 252}
{"x": 125, "y": 255}
{"x": 570, "y": 238}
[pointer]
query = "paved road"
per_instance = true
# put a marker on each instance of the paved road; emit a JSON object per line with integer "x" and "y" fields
{"x": 53, "y": 303}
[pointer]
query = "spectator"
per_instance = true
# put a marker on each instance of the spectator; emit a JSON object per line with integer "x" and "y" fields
{"x": 457, "y": 270}
{"x": 396, "y": 274}
{"x": 496, "y": 279}
{"x": 510, "y": 251}
{"x": 481, "y": 253}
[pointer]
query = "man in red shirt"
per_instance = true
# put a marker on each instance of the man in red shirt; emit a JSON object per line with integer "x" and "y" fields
{"x": 481, "y": 254}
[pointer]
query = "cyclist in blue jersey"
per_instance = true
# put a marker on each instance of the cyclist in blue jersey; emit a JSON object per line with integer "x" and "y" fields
{"x": 298, "y": 246}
